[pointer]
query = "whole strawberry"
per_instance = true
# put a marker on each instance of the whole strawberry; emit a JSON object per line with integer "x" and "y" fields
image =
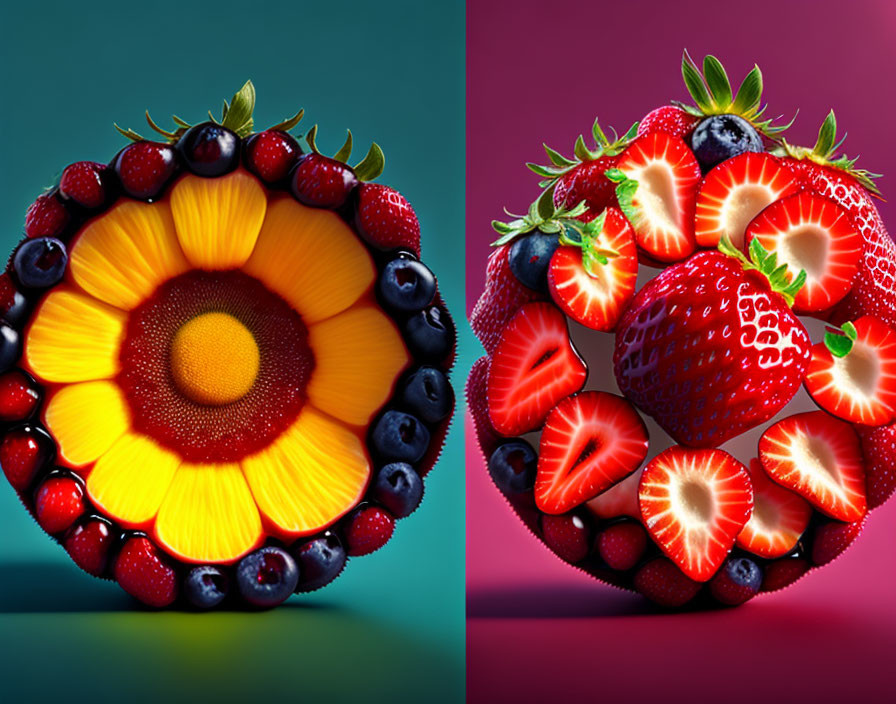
{"x": 836, "y": 178}
{"x": 710, "y": 347}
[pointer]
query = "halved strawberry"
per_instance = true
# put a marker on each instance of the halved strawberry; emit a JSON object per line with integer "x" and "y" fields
{"x": 590, "y": 441}
{"x": 812, "y": 234}
{"x": 853, "y": 375}
{"x": 734, "y": 192}
{"x": 694, "y": 503}
{"x": 592, "y": 280}
{"x": 778, "y": 520}
{"x": 818, "y": 457}
{"x": 533, "y": 367}
{"x": 657, "y": 179}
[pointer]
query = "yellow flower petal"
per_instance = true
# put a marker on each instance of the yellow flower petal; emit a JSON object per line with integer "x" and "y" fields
{"x": 86, "y": 419}
{"x": 312, "y": 259}
{"x": 131, "y": 479}
{"x": 123, "y": 256}
{"x": 315, "y": 472}
{"x": 357, "y": 355}
{"x": 74, "y": 338}
{"x": 218, "y": 219}
{"x": 208, "y": 514}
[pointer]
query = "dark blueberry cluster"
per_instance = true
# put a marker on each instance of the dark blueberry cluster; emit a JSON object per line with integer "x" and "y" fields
{"x": 404, "y": 441}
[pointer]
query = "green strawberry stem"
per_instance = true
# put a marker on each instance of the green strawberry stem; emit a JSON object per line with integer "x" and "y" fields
{"x": 367, "y": 169}
{"x": 712, "y": 94}
{"x": 766, "y": 263}
{"x": 625, "y": 195}
{"x": 587, "y": 239}
{"x": 841, "y": 343}
{"x": 825, "y": 153}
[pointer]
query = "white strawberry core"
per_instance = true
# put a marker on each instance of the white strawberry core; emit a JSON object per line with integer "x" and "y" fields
{"x": 656, "y": 195}
{"x": 696, "y": 502}
{"x": 815, "y": 455}
{"x": 742, "y": 205}
{"x": 805, "y": 247}
{"x": 858, "y": 373}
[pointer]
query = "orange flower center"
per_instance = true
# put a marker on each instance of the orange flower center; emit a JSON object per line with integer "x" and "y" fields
{"x": 214, "y": 359}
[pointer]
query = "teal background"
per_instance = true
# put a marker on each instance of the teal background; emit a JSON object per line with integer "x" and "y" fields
{"x": 392, "y": 626}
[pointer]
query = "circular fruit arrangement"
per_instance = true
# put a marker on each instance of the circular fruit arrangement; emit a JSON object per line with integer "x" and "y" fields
{"x": 690, "y": 385}
{"x": 223, "y": 366}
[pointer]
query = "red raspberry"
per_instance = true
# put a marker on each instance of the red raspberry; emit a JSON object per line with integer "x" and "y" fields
{"x": 568, "y": 535}
{"x": 47, "y": 216}
{"x": 622, "y": 545}
{"x": 367, "y": 529}
{"x": 144, "y": 574}
{"x": 664, "y": 584}
{"x": 782, "y": 573}
{"x": 386, "y": 219}
{"x": 59, "y": 503}
{"x": 24, "y": 451}
{"x": 145, "y": 168}
{"x": 322, "y": 182}
{"x": 19, "y": 396}
{"x": 271, "y": 154}
{"x": 88, "y": 544}
{"x": 12, "y": 303}
{"x": 84, "y": 183}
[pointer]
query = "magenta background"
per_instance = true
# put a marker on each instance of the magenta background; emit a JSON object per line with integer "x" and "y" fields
{"x": 539, "y": 629}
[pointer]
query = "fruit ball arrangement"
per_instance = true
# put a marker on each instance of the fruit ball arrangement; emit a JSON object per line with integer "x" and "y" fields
{"x": 653, "y": 404}
{"x": 223, "y": 366}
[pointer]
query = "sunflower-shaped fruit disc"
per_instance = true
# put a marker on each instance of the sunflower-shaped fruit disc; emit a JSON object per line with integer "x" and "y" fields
{"x": 224, "y": 367}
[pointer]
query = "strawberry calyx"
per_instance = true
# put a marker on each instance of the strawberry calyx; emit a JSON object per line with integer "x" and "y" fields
{"x": 604, "y": 146}
{"x": 367, "y": 169}
{"x": 824, "y": 153}
{"x": 625, "y": 193}
{"x": 587, "y": 239}
{"x": 542, "y": 215}
{"x": 712, "y": 94}
{"x": 766, "y": 263}
{"x": 840, "y": 341}
{"x": 236, "y": 115}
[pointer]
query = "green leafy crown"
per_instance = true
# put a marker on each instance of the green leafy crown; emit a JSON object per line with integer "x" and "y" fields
{"x": 840, "y": 341}
{"x": 712, "y": 94}
{"x": 825, "y": 153}
{"x": 766, "y": 263}
{"x": 236, "y": 115}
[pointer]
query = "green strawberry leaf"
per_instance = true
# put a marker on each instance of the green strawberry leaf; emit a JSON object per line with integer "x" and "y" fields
{"x": 840, "y": 343}
{"x": 717, "y": 80}
{"x": 371, "y": 165}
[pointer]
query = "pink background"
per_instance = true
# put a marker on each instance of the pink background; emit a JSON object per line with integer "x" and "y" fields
{"x": 537, "y": 628}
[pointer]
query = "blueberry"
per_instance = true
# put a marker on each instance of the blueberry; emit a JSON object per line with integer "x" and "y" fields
{"x": 320, "y": 561}
{"x": 267, "y": 577}
{"x": 40, "y": 263}
{"x": 399, "y": 488}
{"x": 9, "y": 346}
{"x": 529, "y": 259}
{"x": 205, "y": 587}
{"x": 720, "y": 137}
{"x": 399, "y": 437}
{"x": 512, "y": 467}
{"x": 407, "y": 285}
{"x": 428, "y": 394}
{"x": 430, "y": 334}
{"x": 744, "y": 573}
{"x": 208, "y": 149}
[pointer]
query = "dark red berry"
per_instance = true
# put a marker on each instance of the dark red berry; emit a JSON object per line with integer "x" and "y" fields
{"x": 664, "y": 584}
{"x": 19, "y": 396}
{"x": 24, "y": 451}
{"x": 832, "y": 538}
{"x": 322, "y": 182}
{"x": 568, "y": 535}
{"x": 271, "y": 154}
{"x": 10, "y": 347}
{"x": 622, "y": 545}
{"x": 59, "y": 502}
{"x": 367, "y": 529}
{"x": 736, "y": 582}
{"x": 84, "y": 182}
{"x": 386, "y": 219}
{"x": 13, "y": 305}
{"x": 88, "y": 544}
{"x": 144, "y": 574}
{"x": 208, "y": 149}
{"x": 145, "y": 168}
{"x": 783, "y": 572}
{"x": 47, "y": 216}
